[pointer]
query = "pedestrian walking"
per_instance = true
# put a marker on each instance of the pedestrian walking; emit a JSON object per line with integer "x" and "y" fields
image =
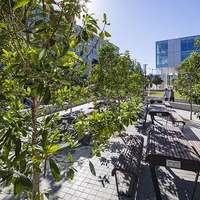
{"x": 166, "y": 94}
{"x": 171, "y": 98}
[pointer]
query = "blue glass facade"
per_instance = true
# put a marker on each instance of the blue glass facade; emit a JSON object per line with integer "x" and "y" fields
{"x": 169, "y": 53}
{"x": 187, "y": 46}
{"x": 161, "y": 54}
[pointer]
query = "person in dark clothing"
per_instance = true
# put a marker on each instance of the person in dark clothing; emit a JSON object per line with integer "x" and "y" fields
{"x": 171, "y": 95}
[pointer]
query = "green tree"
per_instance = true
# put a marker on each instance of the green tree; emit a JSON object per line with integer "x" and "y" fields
{"x": 41, "y": 66}
{"x": 157, "y": 80}
{"x": 150, "y": 78}
{"x": 117, "y": 77}
{"x": 187, "y": 81}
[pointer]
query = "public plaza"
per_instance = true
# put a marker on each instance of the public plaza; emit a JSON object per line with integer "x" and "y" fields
{"x": 174, "y": 183}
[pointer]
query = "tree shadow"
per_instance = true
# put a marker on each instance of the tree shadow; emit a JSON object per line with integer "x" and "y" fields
{"x": 172, "y": 185}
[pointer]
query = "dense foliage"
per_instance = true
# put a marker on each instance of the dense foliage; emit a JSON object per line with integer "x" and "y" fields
{"x": 42, "y": 52}
{"x": 118, "y": 80}
{"x": 187, "y": 82}
{"x": 38, "y": 51}
{"x": 116, "y": 76}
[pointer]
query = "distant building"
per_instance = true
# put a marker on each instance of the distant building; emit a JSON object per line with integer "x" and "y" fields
{"x": 170, "y": 53}
{"x": 92, "y": 47}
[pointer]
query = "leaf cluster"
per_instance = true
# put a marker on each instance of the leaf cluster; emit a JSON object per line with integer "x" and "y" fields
{"x": 187, "y": 81}
{"x": 41, "y": 65}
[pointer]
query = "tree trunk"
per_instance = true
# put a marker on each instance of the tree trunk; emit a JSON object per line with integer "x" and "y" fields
{"x": 70, "y": 107}
{"x": 190, "y": 111}
{"x": 36, "y": 185}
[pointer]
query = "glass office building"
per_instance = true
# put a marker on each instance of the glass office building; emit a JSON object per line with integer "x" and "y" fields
{"x": 170, "y": 53}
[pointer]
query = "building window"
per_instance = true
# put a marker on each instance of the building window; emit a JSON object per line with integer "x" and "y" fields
{"x": 162, "y": 60}
{"x": 187, "y": 45}
{"x": 184, "y": 45}
{"x": 184, "y": 55}
{"x": 162, "y": 54}
{"x": 162, "y": 47}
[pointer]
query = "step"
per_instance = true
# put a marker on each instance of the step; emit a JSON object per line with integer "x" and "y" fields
{"x": 184, "y": 106}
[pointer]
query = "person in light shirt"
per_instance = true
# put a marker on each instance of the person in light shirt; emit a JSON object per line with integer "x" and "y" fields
{"x": 166, "y": 94}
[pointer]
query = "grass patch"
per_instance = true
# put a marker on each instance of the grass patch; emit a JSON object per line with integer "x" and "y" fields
{"x": 161, "y": 93}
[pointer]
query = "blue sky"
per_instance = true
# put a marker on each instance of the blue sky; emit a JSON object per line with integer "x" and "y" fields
{"x": 137, "y": 24}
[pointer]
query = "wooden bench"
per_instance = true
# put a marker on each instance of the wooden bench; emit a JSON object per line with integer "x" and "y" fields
{"x": 142, "y": 117}
{"x": 167, "y": 105}
{"x": 128, "y": 164}
{"x": 176, "y": 118}
{"x": 167, "y": 146}
{"x": 152, "y": 101}
{"x": 196, "y": 146}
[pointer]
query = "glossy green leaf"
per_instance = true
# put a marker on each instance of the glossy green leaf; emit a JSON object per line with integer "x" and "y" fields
{"x": 22, "y": 166}
{"x": 94, "y": 114}
{"x": 48, "y": 119}
{"x": 28, "y": 89}
{"x": 17, "y": 186}
{"x": 104, "y": 17}
{"x": 73, "y": 54}
{"x": 92, "y": 169}
{"x": 85, "y": 49}
{"x": 65, "y": 49}
{"x": 69, "y": 156}
{"x": 38, "y": 147}
{"x": 17, "y": 146}
{"x": 20, "y": 3}
{"x": 40, "y": 87}
{"x": 70, "y": 173}
{"x": 41, "y": 54}
{"x": 34, "y": 57}
{"x": 85, "y": 35}
{"x": 54, "y": 170}
{"x": 26, "y": 183}
{"x": 101, "y": 35}
{"x": 5, "y": 52}
{"x": 77, "y": 101}
{"x": 47, "y": 96}
{"x": 73, "y": 43}
{"x": 54, "y": 148}
{"x": 107, "y": 34}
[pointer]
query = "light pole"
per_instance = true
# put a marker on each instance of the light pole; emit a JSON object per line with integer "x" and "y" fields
{"x": 145, "y": 74}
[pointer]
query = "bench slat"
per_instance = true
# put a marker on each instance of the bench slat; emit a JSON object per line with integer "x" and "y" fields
{"x": 175, "y": 117}
{"x": 129, "y": 160}
{"x": 196, "y": 146}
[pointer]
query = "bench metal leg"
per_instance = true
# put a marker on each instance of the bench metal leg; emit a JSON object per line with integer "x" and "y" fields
{"x": 132, "y": 187}
{"x": 195, "y": 185}
{"x": 116, "y": 183}
{"x": 155, "y": 181}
